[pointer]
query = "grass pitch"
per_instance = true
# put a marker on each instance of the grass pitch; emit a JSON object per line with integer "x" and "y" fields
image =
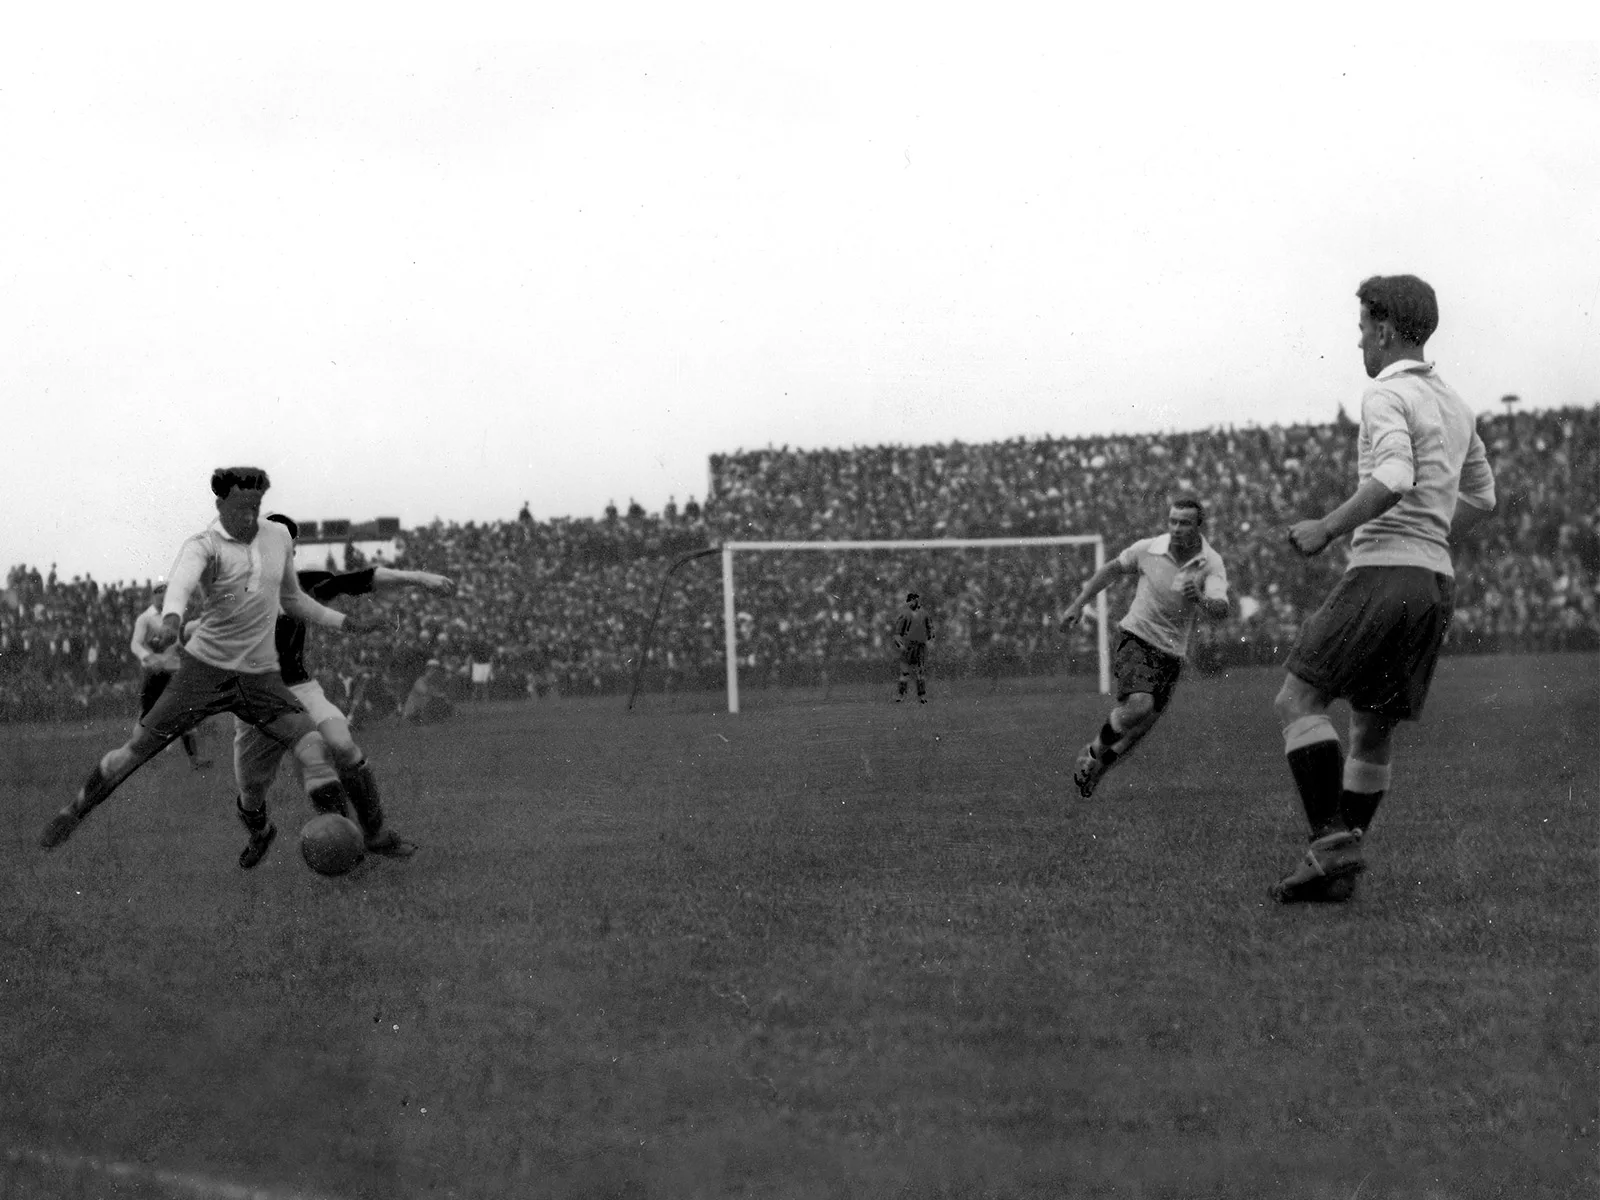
{"x": 832, "y": 949}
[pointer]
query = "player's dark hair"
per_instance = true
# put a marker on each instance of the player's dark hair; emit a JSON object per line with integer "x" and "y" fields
{"x": 910, "y": 596}
{"x": 1405, "y": 301}
{"x": 1191, "y": 502}
{"x": 287, "y": 522}
{"x": 225, "y": 480}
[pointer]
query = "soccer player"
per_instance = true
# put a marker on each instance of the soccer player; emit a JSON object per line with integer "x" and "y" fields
{"x": 913, "y": 630}
{"x": 1180, "y": 577}
{"x": 243, "y": 569}
{"x": 256, "y": 754}
{"x": 1423, "y": 482}
{"x": 158, "y": 666}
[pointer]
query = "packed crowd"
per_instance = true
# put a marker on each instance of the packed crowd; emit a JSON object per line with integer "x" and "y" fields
{"x": 561, "y": 606}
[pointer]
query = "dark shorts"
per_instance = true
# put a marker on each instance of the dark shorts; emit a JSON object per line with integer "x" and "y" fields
{"x": 198, "y": 690}
{"x": 915, "y": 654}
{"x": 154, "y": 684}
{"x": 1141, "y": 667}
{"x": 1375, "y": 640}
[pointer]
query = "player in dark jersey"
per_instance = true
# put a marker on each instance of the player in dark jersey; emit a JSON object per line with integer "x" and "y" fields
{"x": 256, "y": 758}
{"x": 913, "y": 630}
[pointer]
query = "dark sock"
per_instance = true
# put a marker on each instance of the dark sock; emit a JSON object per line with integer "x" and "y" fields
{"x": 253, "y": 819}
{"x": 362, "y": 785}
{"x": 329, "y": 798}
{"x": 190, "y": 746}
{"x": 1318, "y": 770}
{"x": 1103, "y": 741}
{"x": 96, "y": 790}
{"x": 1357, "y": 808}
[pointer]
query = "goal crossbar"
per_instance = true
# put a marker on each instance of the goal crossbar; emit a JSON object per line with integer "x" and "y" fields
{"x": 729, "y": 615}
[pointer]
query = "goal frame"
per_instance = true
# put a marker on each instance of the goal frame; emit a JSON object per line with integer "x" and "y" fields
{"x": 730, "y": 627}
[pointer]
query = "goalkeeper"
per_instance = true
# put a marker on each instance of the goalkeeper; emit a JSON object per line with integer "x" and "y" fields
{"x": 913, "y": 630}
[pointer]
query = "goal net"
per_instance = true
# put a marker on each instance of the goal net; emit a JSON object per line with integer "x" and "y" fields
{"x": 820, "y": 613}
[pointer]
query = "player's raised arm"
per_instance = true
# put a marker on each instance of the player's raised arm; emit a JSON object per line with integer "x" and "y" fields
{"x": 181, "y": 583}
{"x": 391, "y": 577}
{"x": 1394, "y": 473}
{"x": 1210, "y": 592}
{"x": 1373, "y": 498}
{"x": 297, "y": 604}
{"x": 1097, "y": 583}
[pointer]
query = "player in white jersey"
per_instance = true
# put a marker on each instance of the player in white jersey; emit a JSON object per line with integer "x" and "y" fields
{"x": 256, "y": 755}
{"x": 158, "y": 666}
{"x": 1180, "y": 577}
{"x": 1423, "y": 481}
{"x": 244, "y": 570}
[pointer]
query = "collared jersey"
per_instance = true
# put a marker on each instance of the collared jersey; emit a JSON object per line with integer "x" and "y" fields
{"x": 1159, "y": 613}
{"x": 1418, "y": 438}
{"x": 243, "y": 586}
{"x": 290, "y": 633}
{"x": 913, "y": 624}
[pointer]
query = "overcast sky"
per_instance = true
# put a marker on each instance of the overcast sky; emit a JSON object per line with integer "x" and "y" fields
{"x": 438, "y": 278}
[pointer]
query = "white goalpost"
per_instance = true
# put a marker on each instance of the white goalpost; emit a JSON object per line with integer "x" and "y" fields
{"x": 730, "y": 609}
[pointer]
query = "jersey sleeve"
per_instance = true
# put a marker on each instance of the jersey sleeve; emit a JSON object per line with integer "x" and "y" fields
{"x": 1389, "y": 435}
{"x": 1477, "y": 479}
{"x": 1128, "y": 560}
{"x": 185, "y": 575}
{"x": 295, "y": 603}
{"x": 1215, "y": 584}
{"x": 351, "y": 583}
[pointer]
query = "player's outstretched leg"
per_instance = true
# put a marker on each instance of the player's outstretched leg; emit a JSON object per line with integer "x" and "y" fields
{"x": 106, "y": 777}
{"x": 362, "y": 785}
{"x": 258, "y": 828}
{"x": 1125, "y": 727}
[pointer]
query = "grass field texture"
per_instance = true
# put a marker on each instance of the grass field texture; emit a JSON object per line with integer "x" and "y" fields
{"x": 822, "y": 949}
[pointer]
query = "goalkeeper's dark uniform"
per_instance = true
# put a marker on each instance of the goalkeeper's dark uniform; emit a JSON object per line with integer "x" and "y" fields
{"x": 913, "y": 630}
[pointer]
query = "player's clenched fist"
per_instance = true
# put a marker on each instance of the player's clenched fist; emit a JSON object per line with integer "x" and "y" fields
{"x": 167, "y": 633}
{"x": 1309, "y": 537}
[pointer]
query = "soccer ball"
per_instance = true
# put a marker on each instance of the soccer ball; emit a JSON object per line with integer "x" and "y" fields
{"x": 331, "y": 844}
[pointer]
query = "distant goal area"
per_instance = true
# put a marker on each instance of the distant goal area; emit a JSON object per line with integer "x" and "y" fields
{"x": 815, "y": 619}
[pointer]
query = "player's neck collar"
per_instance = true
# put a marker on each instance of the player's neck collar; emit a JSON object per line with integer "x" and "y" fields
{"x": 1401, "y": 366}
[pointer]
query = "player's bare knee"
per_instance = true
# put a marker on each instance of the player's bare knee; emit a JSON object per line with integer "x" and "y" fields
{"x": 1136, "y": 709}
{"x": 312, "y": 749}
{"x": 1296, "y": 699}
{"x": 340, "y": 744}
{"x": 1371, "y": 737}
{"x": 118, "y": 762}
